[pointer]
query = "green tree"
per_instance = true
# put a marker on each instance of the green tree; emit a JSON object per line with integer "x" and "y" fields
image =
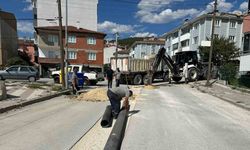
{"x": 16, "y": 61}
{"x": 224, "y": 51}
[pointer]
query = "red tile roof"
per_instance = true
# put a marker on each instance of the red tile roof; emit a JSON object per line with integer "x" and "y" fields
{"x": 70, "y": 29}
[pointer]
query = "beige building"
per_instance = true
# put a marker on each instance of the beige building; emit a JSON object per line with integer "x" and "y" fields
{"x": 8, "y": 37}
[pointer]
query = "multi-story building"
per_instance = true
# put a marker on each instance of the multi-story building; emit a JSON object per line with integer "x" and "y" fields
{"x": 245, "y": 53}
{"x": 109, "y": 51}
{"x": 8, "y": 37}
{"x": 81, "y": 13}
{"x": 197, "y": 32}
{"x": 84, "y": 47}
{"x": 145, "y": 48}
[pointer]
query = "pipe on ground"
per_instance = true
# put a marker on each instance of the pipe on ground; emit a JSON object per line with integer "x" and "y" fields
{"x": 107, "y": 118}
{"x": 116, "y": 136}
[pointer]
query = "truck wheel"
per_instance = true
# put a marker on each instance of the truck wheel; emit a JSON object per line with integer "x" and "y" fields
{"x": 137, "y": 79}
{"x": 193, "y": 74}
{"x": 56, "y": 79}
{"x": 177, "y": 79}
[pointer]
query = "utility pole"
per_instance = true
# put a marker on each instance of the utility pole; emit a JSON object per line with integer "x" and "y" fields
{"x": 66, "y": 44}
{"x": 61, "y": 43}
{"x": 212, "y": 44}
{"x": 116, "y": 49}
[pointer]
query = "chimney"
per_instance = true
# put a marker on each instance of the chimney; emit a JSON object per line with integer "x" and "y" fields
{"x": 78, "y": 25}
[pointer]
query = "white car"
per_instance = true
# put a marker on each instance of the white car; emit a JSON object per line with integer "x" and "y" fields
{"x": 89, "y": 77}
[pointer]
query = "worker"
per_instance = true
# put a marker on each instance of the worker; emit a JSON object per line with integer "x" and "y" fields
{"x": 117, "y": 77}
{"x": 115, "y": 96}
{"x": 74, "y": 81}
{"x": 185, "y": 72}
{"x": 110, "y": 74}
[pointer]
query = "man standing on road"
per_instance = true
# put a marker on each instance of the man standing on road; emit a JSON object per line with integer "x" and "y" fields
{"x": 117, "y": 77}
{"x": 110, "y": 74}
{"x": 185, "y": 72}
{"x": 74, "y": 81}
{"x": 115, "y": 96}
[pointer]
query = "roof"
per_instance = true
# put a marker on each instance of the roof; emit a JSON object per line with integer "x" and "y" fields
{"x": 208, "y": 15}
{"x": 70, "y": 29}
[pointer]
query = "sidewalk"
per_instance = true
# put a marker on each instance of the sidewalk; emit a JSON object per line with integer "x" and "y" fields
{"x": 236, "y": 97}
{"x": 20, "y": 95}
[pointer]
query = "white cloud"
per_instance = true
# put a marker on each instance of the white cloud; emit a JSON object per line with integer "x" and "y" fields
{"x": 25, "y": 27}
{"x": 111, "y": 27}
{"x": 28, "y": 8}
{"x": 165, "y": 16}
{"x": 156, "y": 11}
{"x": 144, "y": 34}
{"x": 222, "y": 6}
{"x": 244, "y": 6}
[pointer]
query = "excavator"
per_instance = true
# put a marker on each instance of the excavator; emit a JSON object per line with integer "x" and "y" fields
{"x": 175, "y": 66}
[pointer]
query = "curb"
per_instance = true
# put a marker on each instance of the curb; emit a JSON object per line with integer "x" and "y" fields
{"x": 222, "y": 98}
{"x": 33, "y": 101}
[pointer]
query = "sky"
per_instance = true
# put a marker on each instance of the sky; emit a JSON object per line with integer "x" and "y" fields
{"x": 132, "y": 18}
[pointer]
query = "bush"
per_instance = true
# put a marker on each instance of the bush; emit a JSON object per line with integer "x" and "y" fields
{"x": 244, "y": 80}
{"x": 228, "y": 72}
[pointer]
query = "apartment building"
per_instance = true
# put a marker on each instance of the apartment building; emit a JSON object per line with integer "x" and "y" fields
{"x": 245, "y": 53}
{"x": 84, "y": 47}
{"x": 81, "y": 13}
{"x": 8, "y": 37}
{"x": 192, "y": 34}
{"x": 145, "y": 48}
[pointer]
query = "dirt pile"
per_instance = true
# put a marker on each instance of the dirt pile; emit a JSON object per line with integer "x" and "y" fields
{"x": 150, "y": 87}
{"x": 94, "y": 95}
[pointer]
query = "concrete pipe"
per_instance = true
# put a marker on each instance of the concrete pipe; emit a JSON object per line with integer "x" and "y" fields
{"x": 116, "y": 136}
{"x": 107, "y": 117}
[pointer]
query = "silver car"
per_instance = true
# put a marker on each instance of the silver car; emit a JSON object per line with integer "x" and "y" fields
{"x": 20, "y": 73}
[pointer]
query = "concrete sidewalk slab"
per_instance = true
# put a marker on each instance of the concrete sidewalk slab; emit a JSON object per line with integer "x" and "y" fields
{"x": 226, "y": 93}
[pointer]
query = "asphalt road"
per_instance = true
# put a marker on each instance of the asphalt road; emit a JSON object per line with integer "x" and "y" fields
{"x": 182, "y": 118}
{"x": 51, "y": 125}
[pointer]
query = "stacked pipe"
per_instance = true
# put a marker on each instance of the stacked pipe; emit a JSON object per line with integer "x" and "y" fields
{"x": 116, "y": 136}
{"x": 107, "y": 118}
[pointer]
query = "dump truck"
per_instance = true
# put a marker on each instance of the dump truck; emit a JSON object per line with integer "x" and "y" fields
{"x": 134, "y": 71}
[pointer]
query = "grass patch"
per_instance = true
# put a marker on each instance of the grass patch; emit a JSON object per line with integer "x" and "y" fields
{"x": 56, "y": 88}
{"x": 35, "y": 86}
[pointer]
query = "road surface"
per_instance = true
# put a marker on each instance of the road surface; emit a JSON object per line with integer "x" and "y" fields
{"x": 182, "y": 118}
{"x": 51, "y": 125}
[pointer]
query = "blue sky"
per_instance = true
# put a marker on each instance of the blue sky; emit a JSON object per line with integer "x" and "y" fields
{"x": 132, "y": 18}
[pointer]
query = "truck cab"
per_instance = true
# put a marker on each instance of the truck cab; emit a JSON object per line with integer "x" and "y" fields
{"x": 90, "y": 77}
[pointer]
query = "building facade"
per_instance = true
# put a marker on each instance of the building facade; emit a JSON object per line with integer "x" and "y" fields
{"x": 81, "y": 13}
{"x": 85, "y": 47}
{"x": 197, "y": 32}
{"x": 145, "y": 48}
{"x": 245, "y": 53}
{"x": 8, "y": 37}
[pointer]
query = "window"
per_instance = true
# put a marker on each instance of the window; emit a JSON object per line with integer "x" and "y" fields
{"x": 231, "y": 38}
{"x": 196, "y": 26}
{"x": 143, "y": 54}
{"x": 217, "y": 22}
{"x": 216, "y": 35}
{"x": 91, "y": 41}
{"x": 91, "y": 56}
{"x": 72, "y": 39}
{"x": 175, "y": 46}
{"x": 185, "y": 43}
{"x": 232, "y": 24}
{"x": 53, "y": 38}
{"x": 185, "y": 30}
{"x": 24, "y": 69}
{"x": 195, "y": 40}
{"x": 72, "y": 55}
{"x": 246, "y": 47}
{"x": 176, "y": 34}
{"x": 13, "y": 69}
{"x": 51, "y": 54}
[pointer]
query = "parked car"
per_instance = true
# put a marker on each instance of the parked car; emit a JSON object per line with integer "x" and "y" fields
{"x": 20, "y": 73}
{"x": 90, "y": 78}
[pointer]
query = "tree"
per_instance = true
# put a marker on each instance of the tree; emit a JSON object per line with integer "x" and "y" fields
{"x": 16, "y": 61}
{"x": 224, "y": 51}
